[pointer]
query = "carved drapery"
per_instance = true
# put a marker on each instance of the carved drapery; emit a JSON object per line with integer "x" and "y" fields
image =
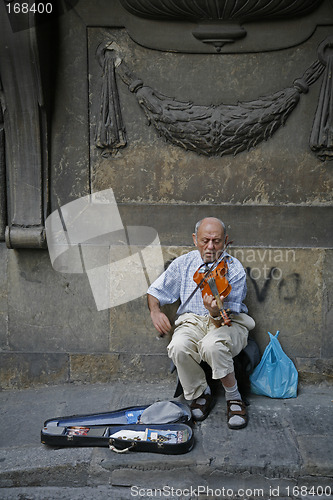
{"x": 321, "y": 140}
{"x": 218, "y": 130}
{"x": 110, "y": 130}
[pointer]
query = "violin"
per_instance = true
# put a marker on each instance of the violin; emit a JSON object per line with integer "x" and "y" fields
{"x": 212, "y": 281}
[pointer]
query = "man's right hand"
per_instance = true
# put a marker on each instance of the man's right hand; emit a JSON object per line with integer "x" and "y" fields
{"x": 161, "y": 322}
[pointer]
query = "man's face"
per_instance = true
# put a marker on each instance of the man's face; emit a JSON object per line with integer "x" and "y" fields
{"x": 210, "y": 240}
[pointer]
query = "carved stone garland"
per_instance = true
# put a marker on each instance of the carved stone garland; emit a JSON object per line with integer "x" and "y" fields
{"x": 214, "y": 130}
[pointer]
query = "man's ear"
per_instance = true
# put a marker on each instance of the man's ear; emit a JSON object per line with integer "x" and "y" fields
{"x": 194, "y": 239}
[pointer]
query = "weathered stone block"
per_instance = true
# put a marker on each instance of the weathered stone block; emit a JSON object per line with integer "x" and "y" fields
{"x": 50, "y": 311}
{"x": 3, "y": 298}
{"x": 285, "y": 294}
{"x": 147, "y": 367}
{"x": 19, "y": 370}
{"x": 3, "y": 331}
{"x": 94, "y": 368}
{"x": 3, "y": 277}
{"x": 104, "y": 368}
{"x": 327, "y": 351}
{"x": 313, "y": 370}
{"x": 132, "y": 331}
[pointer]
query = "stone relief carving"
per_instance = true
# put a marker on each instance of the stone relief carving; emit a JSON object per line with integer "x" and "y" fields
{"x": 219, "y": 9}
{"x": 3, "y": 218}
{"x": 222, "y": 129}
{"x": 321, "y": 141}
{"x": 25, "y": 134}
{"x": 110, "y": 130}
{"x": 219, "y": 20}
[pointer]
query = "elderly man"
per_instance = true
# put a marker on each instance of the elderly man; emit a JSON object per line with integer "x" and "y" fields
{"x": 200, "y": 333}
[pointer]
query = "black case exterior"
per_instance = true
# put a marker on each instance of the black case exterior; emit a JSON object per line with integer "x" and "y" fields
{"x": 97, "y": 430}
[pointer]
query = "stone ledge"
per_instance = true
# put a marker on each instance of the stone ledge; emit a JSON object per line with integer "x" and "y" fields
{"x": 22, "y": 370}
{"x": 312, "y": 370}
{"x": 19, "y": 370}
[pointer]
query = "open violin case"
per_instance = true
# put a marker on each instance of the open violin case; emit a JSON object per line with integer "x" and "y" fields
{"x": 163, "y": 427}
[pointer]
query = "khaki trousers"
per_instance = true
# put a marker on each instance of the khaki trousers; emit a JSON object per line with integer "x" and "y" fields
{"x": 197, "y": 339}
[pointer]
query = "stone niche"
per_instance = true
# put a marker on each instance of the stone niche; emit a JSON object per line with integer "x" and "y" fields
{"x": 150, "y": 169}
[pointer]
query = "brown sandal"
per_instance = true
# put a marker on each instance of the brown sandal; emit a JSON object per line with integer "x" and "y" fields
{"x": 204, "y": 407}
{"x": 240, "y": 413}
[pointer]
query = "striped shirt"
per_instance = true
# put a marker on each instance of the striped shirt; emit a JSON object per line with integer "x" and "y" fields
{"x": 177, "y": 283}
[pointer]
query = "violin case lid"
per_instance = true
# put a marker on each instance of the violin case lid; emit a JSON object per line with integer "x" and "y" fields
{"x": 162, "y": 427}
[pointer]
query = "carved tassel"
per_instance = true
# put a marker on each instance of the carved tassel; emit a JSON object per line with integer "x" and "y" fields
{"x": 110, "y": 130}
{"x": 321, "y": 140}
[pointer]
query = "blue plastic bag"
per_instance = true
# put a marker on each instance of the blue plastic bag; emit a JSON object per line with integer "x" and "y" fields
{"x": 276, "y": 375}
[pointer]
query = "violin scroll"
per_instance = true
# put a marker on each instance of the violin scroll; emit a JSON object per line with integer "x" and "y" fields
{"x": 225, "y": 317}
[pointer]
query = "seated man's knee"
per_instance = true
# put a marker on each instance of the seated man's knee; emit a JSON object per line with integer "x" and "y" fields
{"x": 180, "y": 347}
{"x": 210, "y": 347}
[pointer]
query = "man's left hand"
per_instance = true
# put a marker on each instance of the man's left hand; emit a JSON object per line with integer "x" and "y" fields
{"x": 211, "y": 304}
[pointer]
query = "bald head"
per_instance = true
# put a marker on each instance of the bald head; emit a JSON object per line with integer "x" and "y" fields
{"x": 209, "y": 238}
{"x": 209, "y": 219}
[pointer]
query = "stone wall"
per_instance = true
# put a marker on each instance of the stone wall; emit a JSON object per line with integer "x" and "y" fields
{"x": 52, "y": 333}
{"x": 271, "y": 185}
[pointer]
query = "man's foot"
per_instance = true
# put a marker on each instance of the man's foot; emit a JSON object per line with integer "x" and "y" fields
{"x": 201, "y": 406}
{"x": 236, "y": 414}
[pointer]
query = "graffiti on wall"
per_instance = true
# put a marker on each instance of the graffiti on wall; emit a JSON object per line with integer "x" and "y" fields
{"x": 288, "y": 286}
